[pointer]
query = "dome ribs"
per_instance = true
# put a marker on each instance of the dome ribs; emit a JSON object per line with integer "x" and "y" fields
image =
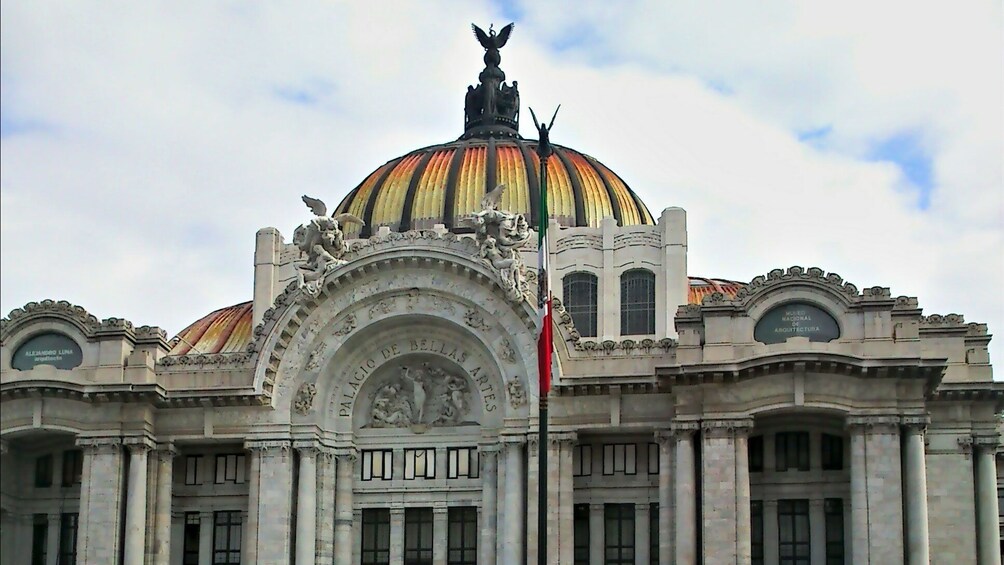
{"x": 573, "y": 177}
{"x": 491, "y": 162}
{"x": 409, "y": 197}
{"x": 371, "y": 202}
{"x": 451, "y": 185}
{"x": 614, "y": 202}
{"x": 532, "y": 183}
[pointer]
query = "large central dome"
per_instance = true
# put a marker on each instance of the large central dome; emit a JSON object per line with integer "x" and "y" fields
{"x": 443, "y": 184}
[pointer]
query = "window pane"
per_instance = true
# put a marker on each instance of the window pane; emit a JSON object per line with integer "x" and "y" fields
{"x": 637, "y": 302}
{"x": 580, "y": 293}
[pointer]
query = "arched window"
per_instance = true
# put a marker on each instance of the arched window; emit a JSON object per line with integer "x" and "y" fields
{"x": 579, "y": 290}
{"x": 637, "y": 302}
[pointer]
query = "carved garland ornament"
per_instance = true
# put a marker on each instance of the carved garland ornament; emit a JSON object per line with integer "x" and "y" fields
{"x": 304, "y": 398}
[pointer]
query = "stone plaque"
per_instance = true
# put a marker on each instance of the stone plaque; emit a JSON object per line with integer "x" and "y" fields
{"x": 53, "y": 349}
{"x": 796, "y": 319}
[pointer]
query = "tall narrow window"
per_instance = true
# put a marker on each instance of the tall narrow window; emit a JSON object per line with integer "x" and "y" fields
{"x": 43, "y": 471}
{"x": 462, "y": 536}
{"x": 190, "y": 542}
{"x": 793, "y": 531}
{"x": 420, "y": 463}
{"x": 378, "y": 464}
{"x": 791, "y": 450}
{"x": 637, "y": 302}
{"x": 73, "y": 467}
{"x": 620, "y": 458}
{"x": 833, "y": 509}
{"x": 227, "y": 537}
{"x": 756, "y": 531}
{"x": 582, "y": 460}
{"x": 579, "y": 291}
{"x": 39, "y": 538}
{"x": 462, "y": 462}
{"x": 230, "y": 468}
{"x": 833, "y": 452}
{"x": 619, "y": 534}
{"x": 755, "y": 453}
{"x": 68, "y": 539}
{"x": 580, "y": 534}
{"x": 653, "y": 458}
{"x": 418, "y": 536}
{"x": 653, "y": 534}
{"x": 193, "y": 466}
{"x": 376, "y": 536}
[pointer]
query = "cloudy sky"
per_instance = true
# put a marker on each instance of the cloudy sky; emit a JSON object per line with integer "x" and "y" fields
{"x": 144, "y": 143}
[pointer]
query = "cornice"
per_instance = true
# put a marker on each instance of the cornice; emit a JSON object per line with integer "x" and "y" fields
{"x": 150, "y": 393}
{"x": 600, "y": 348}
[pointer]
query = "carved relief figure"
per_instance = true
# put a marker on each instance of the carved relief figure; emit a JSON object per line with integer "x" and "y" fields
{"x": 517, "y": 394}
{"x": 423, "y": 395}
{"x": 500, "y": 235}
{"x": 323, "y": 242}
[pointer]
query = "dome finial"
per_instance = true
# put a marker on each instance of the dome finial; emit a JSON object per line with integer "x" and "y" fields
{"x": 491, "y": 109}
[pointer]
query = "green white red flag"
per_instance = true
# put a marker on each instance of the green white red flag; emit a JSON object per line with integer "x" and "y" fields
{"x": 545, "y": 340}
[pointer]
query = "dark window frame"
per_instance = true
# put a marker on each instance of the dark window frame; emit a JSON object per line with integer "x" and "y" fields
{"x": 833, "y": 512}
{"x": 798, "y": 550}
{"x": 754, "y": 449}
{"x": 412, "y": 455}
{"x": 454, "y": 455}
{"x": 620, "y": 520}
{"x": 39, "y": 539}
{"x": 832, "y": 452}
{"x": 653, "y": 458}
{"x": 190, "y": 539}
{"x": 580, "y": 534}
{"x": 375, "y": 525}
{"x": 756, "y": 532}
{"x": 653, "y": 533}
{"x": 386, "y": 458}
{"x": 72, "y": 467}
{"x": 582, "y": 460}
{"x": 580, "y": 293}
{"x": 419, "y": 537}
{"x": 44, "y": 471}
{"x": 637, "y": 302}
{"x": 462, "y": 535}
{"x": 234, "y": 469}
{"x": 228, "y": 522}
{"x": 612, "y": 468}
{"x": 193, "y": 468}
{"x": 791, "y": 451}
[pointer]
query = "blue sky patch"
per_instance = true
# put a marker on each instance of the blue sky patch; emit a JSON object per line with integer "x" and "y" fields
{"x": 907, "y": 152}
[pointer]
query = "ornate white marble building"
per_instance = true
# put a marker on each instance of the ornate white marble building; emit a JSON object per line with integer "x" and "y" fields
{"x": 375, "y": 401}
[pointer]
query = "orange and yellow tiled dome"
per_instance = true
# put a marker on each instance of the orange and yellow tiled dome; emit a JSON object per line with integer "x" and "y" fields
{"x": 443, "y": 183}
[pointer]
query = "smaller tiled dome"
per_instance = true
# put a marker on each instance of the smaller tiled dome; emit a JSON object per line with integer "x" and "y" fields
{"x": 227, "y": 330}
{"x": 701, "y": 287}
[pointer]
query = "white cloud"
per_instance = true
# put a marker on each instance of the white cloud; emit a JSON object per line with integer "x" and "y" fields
{"x": 165, "y": 136}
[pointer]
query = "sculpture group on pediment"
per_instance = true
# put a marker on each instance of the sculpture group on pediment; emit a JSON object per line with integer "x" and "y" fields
{"x": 323, "y": 242}
{"x": 500, "y": 235}
{"x": 421, "y": 396}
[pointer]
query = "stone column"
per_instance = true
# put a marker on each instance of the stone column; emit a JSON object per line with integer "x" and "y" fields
{"x": 344, "y": 471}
{"x": 817, "y": 531}
{"x": 397, "y": 535}
{"x": 100, "y": 501}
{"x": 489, "y": 500}
{"x": 566, "y": 515}
{"x": 440, "y": 534}
{"x": 685, "y": 493}
{"x": 207, "y": 525}
{"x": 532, "y": 490}
{"x": 249, "y": 543}
{"x": 275, "y": 501}
{"x": 52, "y": 540}
{"x": 725, "y": 513}
{"x": 771, "y": 551}
{"x": 915, "y": 497}
{"x": 596, "y": 534}
{"x": 553, "y": 503}
{"x": 513, "y": 511}
{"x": 988, "y": 532}
{"x": 325, "y": 506}
{"x": 876, "y": 490}
{"x": 664, "y": 439}
{"x": 641, "y": 533}
{"x": 135, "y": 535}
{"x": 165, "y": 455}
{"x": 306, "y": 503}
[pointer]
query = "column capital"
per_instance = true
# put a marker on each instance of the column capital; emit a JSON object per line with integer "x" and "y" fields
{"x": 512, "y": 439}
{"x": 916, "y": 422}
{"x": 100, "y": 444}
{"x": 397, "y": 510}
{"x": 307, "y": 447}
{"x": 596, "y": 506}
{"x": 557, "y": 438}
{"x": 138, "y": 444}
{"x": 726, "y": 427}
{"x": 873, "y": 423}
{"x": 664, "y": 437}
{"x": 532, "y": 440}
{"x": 346, "y": 454}
{"x": 268, "y": 447}
{"x": 772, "y": 503}
{"x": 990, "y": 442}
{"x": 166, "y": 451}
{"x": 642, "y": 506}
{"x": 684, "y": 429}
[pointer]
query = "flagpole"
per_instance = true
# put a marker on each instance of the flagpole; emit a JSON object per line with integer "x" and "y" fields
{"x": 545, "y": 342}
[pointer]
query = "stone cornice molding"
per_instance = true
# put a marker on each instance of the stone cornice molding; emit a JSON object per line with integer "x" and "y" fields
{"x": 151, "y": 393}
{"x": 626, "y": 347}
{"x": 307, "y": 447}
{"x": 508, "y": 439}
{"x": 971, "y": 392}
{"x": 916, "y": 422}
{"x": 82, "y": 320}
{"x": 532, "y": 440}
{"x": 726, "y": 427}
{"x": 684, "y": 429}
{"x": 268, "y": 447}
{"x": 346, "y": 454}
{"x": 100, "y": 444}
{"x": 873, "y": 424}
{"x": 138, "y": 444}
{"x": 558, "y": 438}
{"x": 987, "y": 441}
{"x": 778, "y": 278}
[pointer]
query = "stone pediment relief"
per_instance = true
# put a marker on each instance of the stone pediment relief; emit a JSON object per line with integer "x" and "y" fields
{"x": 419, "y": 397}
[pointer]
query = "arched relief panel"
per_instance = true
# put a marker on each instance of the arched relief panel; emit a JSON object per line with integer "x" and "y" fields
{"x": 836, "y": 304}
{"x": 375, "y": 304}
{"x": 89, "y": 351}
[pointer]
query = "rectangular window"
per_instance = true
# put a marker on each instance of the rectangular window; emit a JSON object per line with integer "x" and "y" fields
{"x": 73, "y": 467}
{"x": 418, "y": 536}
{"x": 653, "y": 534}
{"x": 793, "y": 531}
{"x": 193, "y": 469}
{"x": 792, "y": 451}
{"x": 462, "y": 462}
{"x": 68, "y": 539}
{"x": 462, "y": 536}
{"x": 833, "y": 452}
{"x": 653, "y": 458}
{"x": 580, "y": 534}
{"x": 833, "y": 508}
{"x": 43, "y": 471}
{"x": 227, "y": 537}
{"x": 190, "y": 542}
{"x": 376, "y": 536}
{"x": 756, "y": 531}
{"x": 420, "y": 463}
{"x": 620, "y": 458}
{"x": 378, "y": 464}
{"x": 582, "y": 460}
{"x": 755, "y": 450}
{"x": 230, "y": 468}
{"x": 618, "y": 543}
{"x": 39, "y": 538}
